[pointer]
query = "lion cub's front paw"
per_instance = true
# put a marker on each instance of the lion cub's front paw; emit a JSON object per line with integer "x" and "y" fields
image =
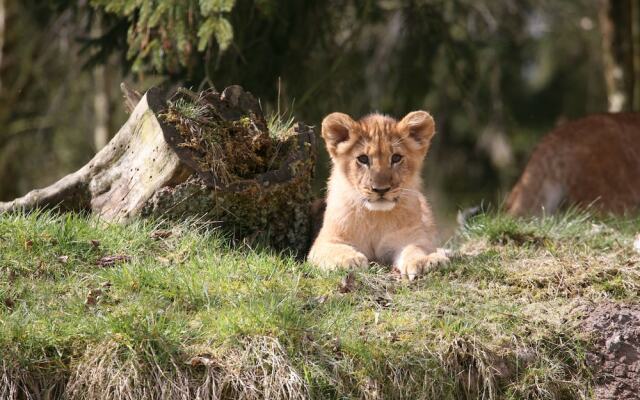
{"x": 412, "y": 267}
{"x": 347, "y": 260}
{"x": 439, "y": 257}
{"x": 340, "y": 258}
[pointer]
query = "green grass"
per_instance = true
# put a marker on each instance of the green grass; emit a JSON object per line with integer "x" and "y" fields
{"x": 188, "y": 316}
{"x": 280, "y": 125}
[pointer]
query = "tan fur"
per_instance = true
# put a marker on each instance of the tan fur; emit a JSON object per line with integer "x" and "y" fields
{"x": 361, "y": 225}
{"x": 591, "y": 161}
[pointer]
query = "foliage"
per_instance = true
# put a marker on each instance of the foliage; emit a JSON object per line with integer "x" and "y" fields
{"x": 495, "y": 75}
{"x": 180, "y": 313}
{"x": 169, "y": 36}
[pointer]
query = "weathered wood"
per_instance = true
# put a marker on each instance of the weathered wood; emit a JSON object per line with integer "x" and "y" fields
{"x": 135, "y": 165}
{"x": 130, "y": 96}
{"x": 121, "y": 177}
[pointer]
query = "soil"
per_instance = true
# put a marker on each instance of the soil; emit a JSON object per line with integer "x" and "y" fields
{"x": 615, "y": 358}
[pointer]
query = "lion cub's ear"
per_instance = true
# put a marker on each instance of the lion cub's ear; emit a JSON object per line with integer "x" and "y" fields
{"x": 419, "y": 126}
{"x": 337, "y": 130}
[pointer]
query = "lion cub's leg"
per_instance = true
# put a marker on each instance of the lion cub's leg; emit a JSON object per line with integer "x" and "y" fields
{"x": 329, "y": 255}
{"x": 413, "y": 261}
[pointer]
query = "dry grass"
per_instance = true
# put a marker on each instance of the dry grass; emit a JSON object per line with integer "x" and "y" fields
{"x": 8, "y": 383}
{"x": 40, "y": 381}
{"x": 258, "y": 368}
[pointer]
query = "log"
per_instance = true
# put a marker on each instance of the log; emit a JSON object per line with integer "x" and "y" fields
{"x": 151, "y": 168}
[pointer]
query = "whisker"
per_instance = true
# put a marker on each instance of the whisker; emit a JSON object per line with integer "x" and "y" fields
{"x": 409, "y": 190}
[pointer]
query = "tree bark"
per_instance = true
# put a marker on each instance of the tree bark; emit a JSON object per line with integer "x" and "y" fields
{"x": 101, "y": 108}
{"x": 100, "y": 97}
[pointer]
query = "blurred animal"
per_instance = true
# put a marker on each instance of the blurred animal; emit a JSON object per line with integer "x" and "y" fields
{"x": 593, "y": 161}
{"x": 375, "y": 210}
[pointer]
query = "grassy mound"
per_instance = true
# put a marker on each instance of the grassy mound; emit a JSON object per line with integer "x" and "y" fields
{"x": 94, "y": 311}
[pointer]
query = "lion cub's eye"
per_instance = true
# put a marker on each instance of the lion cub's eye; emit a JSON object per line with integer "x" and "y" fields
{"x": 363, "y": 159}
{"x": 396, "y": 158}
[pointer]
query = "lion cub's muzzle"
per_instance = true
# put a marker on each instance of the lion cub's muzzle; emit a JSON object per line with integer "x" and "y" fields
{"x": 380, "y": 199}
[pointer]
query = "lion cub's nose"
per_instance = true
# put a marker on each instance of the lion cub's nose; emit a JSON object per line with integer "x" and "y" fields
{"x": 381, "y": 191}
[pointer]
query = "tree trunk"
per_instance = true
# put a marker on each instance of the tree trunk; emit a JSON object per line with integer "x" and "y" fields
{"x": 635, "y": 38}
{"x": 620, "y": 27}
{"x": 100, "y": 97}
{"x": 147, "y": 169}
{"x": 3, "y": 13}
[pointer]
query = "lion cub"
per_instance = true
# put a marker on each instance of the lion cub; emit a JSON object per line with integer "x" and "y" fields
{"x": 375, "y": 209}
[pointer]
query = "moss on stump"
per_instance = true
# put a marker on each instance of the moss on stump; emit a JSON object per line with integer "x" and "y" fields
{"x": 252, "y": 182}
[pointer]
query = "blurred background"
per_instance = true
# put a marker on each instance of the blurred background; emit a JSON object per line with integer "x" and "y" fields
{"x": 496, "y": 75}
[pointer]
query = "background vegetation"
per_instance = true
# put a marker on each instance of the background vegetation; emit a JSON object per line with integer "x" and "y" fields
{"x": 496, "y": 75}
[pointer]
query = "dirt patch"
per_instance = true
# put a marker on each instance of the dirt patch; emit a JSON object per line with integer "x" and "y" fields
{"x": 615, "y": 358}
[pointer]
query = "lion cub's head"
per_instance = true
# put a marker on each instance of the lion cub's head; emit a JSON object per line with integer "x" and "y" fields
{"x": 380, "y": 157}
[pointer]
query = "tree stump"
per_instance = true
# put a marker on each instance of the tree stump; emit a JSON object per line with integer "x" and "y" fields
{"x": 205, "y": 155}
